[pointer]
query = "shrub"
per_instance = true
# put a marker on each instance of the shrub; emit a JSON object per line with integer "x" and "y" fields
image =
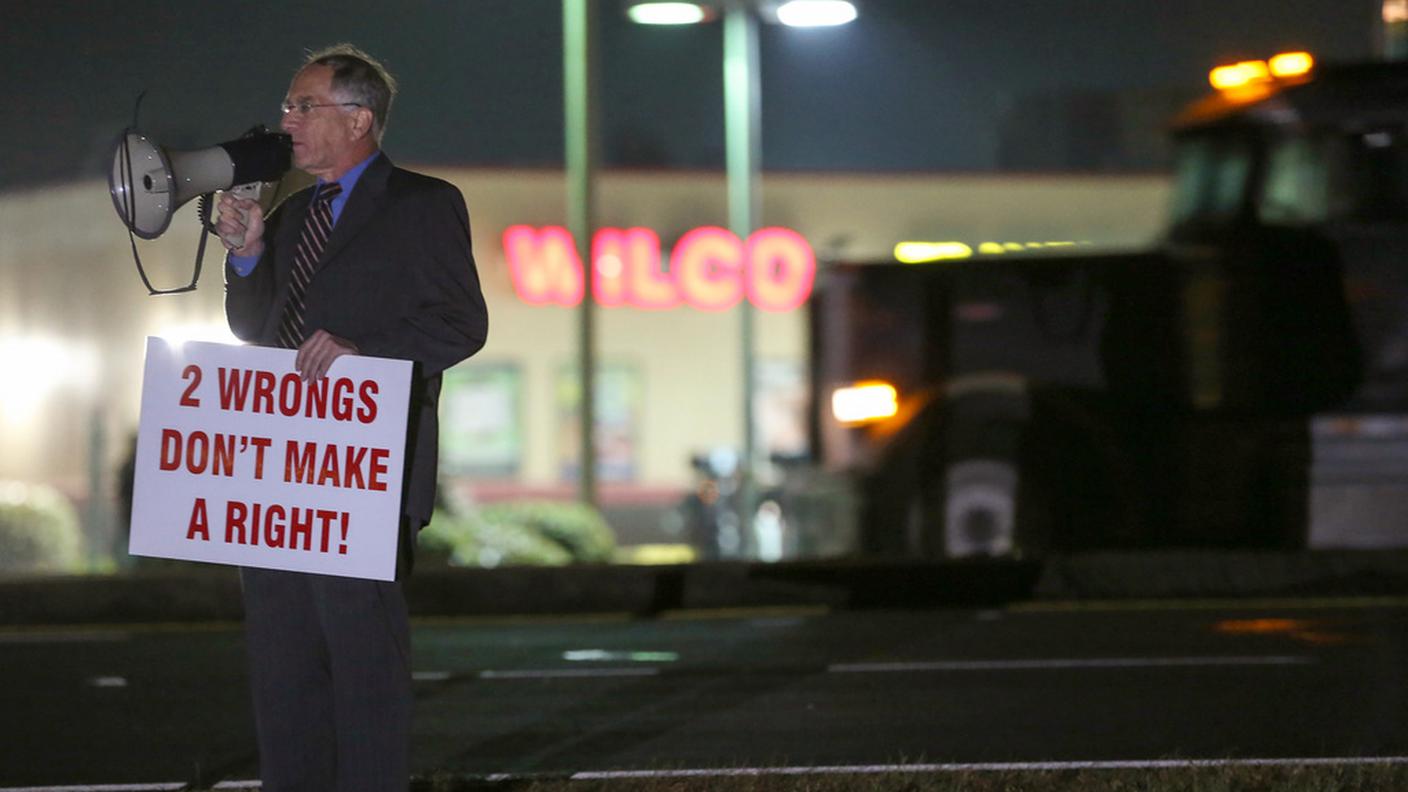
{"x": 531, "y": 532}
{"x": 39, "y": 530}
{"x": 467, "y": 539}
{"x": 578, "y": 528}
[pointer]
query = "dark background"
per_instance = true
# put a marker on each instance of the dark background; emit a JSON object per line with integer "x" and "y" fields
{"x": 976, "y": 85}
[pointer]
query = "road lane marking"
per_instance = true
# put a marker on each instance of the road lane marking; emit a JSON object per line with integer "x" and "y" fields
{"x": 1068, "y": 663}
{"x": 981, "y": 767}
{"x": 517, "y": 619}
{"x": 637, "y": 656}
{"x": 556, "y": 673}
{"x": 131, "y": 787}
{"x": 744, "y": 613}
{"x": 100, "y": 788}
{"x": 1040, "y": 664}
{"x": 128, "y": 628}
{"x": 726, "y": 772}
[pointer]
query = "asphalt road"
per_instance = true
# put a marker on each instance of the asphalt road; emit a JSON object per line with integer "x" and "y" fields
{"x": 797, "y": 688}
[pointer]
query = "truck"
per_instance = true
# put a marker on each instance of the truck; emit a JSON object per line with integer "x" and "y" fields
{"x": 1242, "y": 384}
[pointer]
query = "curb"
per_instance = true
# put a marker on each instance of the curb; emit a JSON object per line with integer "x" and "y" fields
{"x": 209, "y": 593}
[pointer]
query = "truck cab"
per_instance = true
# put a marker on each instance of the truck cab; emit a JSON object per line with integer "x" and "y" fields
{"x": 1242, "y": 384}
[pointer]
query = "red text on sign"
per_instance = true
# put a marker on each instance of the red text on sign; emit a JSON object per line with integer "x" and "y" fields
{"x": 331, "y": 465}
{"x": 192, "y": 373}
{"x": 259, "y": 391}
{"x": 214, "y": 453}
{"x": 285, "y": 527}
{"x": 709, "y": 268}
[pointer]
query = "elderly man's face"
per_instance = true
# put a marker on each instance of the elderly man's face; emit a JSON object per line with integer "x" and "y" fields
{"x": 323, "y": 138}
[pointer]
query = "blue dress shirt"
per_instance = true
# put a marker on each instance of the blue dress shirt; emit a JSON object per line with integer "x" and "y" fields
{"x": 243, "y": 265}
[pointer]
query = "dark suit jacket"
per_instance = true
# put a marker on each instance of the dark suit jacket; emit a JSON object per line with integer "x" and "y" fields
{"x": 397, "y": 278}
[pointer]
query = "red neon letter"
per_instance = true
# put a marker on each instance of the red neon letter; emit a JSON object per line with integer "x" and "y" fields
{"x": 609, "y": 266}
{"x": 707, "y": 263}
{"x": 544, "y": 265}
{"x": 781, "y": 269}
{"x": 628, "y": 269}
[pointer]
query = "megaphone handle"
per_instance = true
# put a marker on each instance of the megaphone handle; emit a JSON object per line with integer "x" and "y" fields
{"x": 250, "y": 191}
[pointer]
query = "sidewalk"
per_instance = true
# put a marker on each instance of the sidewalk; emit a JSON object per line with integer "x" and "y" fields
{"x": 199, "y": 592}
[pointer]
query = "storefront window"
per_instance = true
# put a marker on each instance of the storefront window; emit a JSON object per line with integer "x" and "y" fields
{"x": 780, "y": 407}
{"x": 618, "y": 407}
{"x": 481, "y": 426}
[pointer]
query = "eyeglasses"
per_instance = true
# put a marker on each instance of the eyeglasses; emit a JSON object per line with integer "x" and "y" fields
{"x": 305, "y": 107}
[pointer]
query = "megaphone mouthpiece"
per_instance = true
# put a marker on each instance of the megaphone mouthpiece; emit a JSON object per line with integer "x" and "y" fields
{"x": 149, "y": 183}
{"x": 261, "y": 157}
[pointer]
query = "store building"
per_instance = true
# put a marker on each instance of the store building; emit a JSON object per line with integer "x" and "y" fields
{"x": 73, "y": 315}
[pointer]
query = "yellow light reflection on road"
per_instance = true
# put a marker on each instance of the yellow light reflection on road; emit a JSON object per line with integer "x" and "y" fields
{"x": 1302, "y": 630}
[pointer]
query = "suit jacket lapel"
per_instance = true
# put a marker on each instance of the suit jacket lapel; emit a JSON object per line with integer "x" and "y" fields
{"x": 362, "y": 206}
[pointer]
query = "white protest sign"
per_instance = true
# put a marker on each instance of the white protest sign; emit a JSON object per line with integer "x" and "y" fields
{"x": 240, "y": 461}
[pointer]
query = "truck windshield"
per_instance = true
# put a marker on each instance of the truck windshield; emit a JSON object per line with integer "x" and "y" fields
{"x": 1210, "y": 179}
{"x": 1296, "y": 190}
{"x": 1307, "y": 179}
{"x": 1358, "y": 177}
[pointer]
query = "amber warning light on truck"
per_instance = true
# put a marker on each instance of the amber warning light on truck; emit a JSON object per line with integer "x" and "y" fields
{"x": 1247, "y": 74}
{"x": 864, "y": 402}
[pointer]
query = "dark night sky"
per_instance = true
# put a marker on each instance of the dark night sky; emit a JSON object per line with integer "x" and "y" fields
{"x": 912, "y": 85}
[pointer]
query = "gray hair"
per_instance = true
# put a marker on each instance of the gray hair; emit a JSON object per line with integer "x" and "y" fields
{"x": 360, "y": 78}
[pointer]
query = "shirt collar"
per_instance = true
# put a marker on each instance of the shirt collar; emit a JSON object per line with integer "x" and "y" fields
{"x": 349, "y": 179}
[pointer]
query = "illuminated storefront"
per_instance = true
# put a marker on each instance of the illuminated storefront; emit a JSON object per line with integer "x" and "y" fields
{"x": 667, "y": 276}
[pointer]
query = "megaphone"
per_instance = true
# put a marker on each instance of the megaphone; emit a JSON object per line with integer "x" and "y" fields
{"x": 149, "y": 182}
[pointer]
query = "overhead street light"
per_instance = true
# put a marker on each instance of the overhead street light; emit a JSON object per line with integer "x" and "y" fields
{"x": 793, "y": 13}
{"x": 656, "y": 13}
{"x": 816, "y": 13}
{"x": 742, "y": 144}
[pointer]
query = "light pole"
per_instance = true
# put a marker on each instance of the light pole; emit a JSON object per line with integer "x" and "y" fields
{"x": 742, "y": 162}
{"x": 743, "y": 148}
{"x": 579, "y": 120}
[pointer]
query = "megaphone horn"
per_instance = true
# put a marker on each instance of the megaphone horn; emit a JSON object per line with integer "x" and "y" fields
{"x": 149, "y": 183}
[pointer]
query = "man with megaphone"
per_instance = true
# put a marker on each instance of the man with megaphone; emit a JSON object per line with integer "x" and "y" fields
{"x": 371, "y": 260}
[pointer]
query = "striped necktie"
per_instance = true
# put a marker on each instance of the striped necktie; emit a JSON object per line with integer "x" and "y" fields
{"x": 316, "y": 231}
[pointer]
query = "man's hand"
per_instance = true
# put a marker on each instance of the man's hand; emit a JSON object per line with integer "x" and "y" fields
{"x": 318, "y": 351}
{"x": 241, "y": 218}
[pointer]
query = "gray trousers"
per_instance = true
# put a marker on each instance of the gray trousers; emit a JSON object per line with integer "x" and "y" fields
{"x": 330, "y": 672}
